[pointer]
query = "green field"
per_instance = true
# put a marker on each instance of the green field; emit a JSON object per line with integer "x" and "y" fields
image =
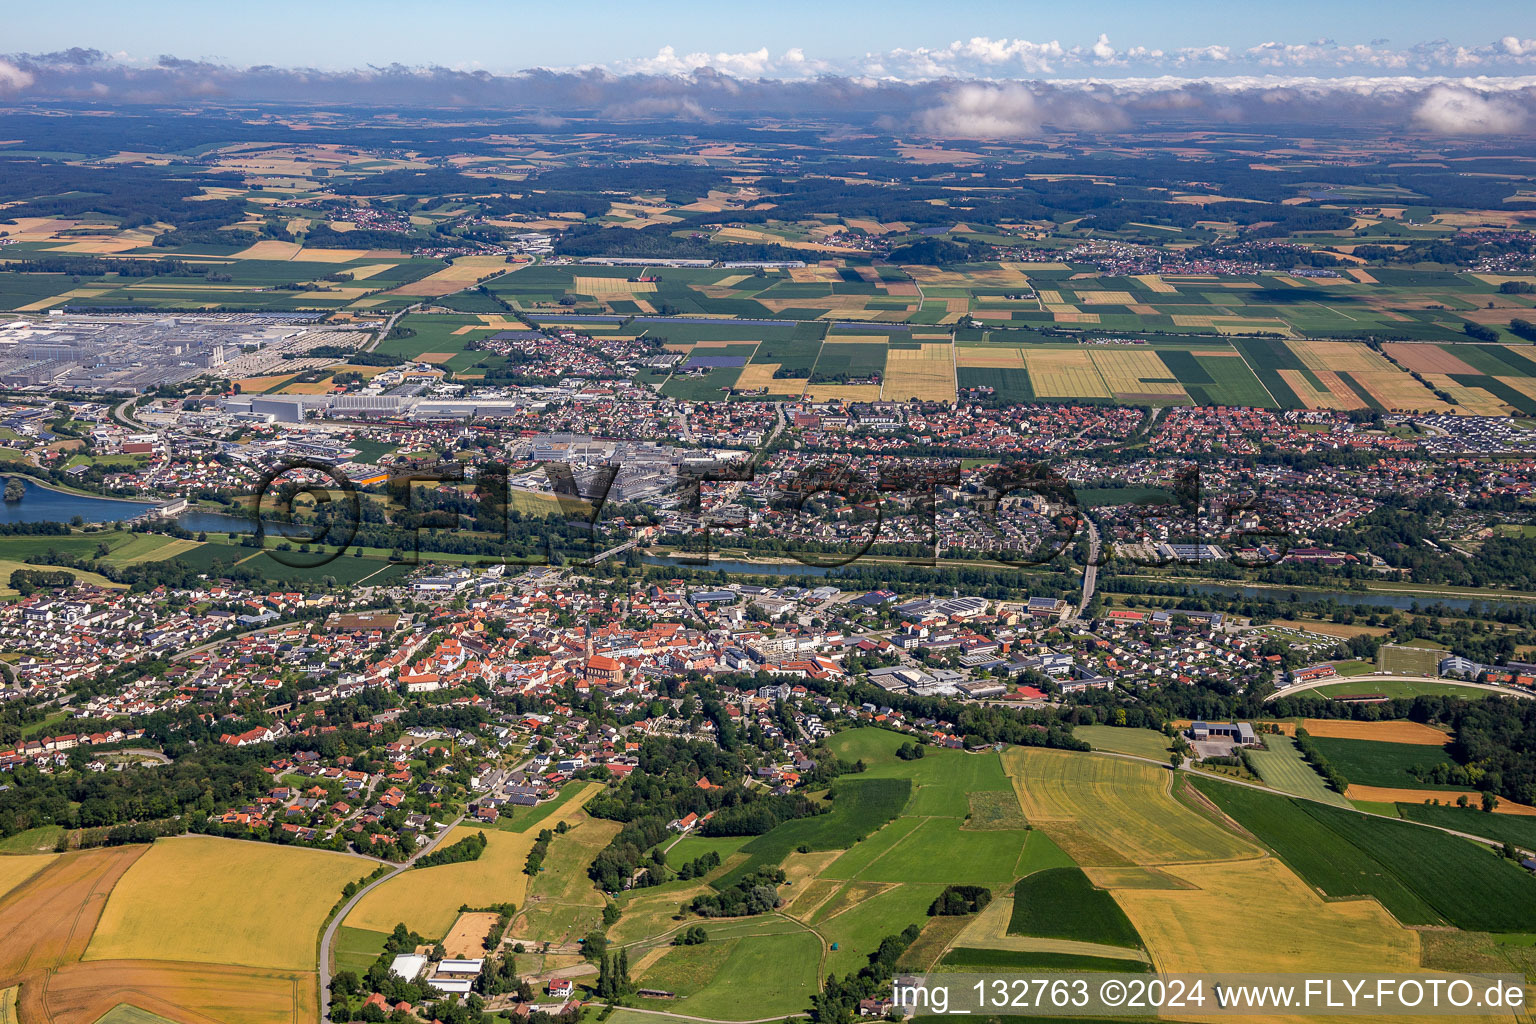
{"x": 1421, "y": 876}
{"x": 983, "y": 961}
{"x": 1518, "y": 829}
{"x": 859, "y": 807}
{"x": 1281, "y": 767}
{"x": 1373, "y": 763}
{"x": 1061, "y": 903}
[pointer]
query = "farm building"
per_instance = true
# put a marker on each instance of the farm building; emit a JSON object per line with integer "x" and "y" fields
{"x": 1240, "y": 733}
{"x": 407, "y": 965}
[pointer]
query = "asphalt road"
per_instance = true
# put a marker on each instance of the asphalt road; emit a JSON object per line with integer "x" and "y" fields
{"x": 330, "y": 929}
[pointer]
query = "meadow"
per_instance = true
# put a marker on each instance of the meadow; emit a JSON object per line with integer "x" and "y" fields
{"x": 1141, "y": 742}
{"x": 859, "y": 807}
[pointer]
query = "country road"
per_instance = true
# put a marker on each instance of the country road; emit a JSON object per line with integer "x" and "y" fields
{"x": 346, "y": 908}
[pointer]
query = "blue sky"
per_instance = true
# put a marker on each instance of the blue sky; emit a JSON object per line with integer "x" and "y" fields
{"x": 891, "y": 38}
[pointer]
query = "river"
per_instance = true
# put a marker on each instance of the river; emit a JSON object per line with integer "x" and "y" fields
{"x": 41, "y": 504}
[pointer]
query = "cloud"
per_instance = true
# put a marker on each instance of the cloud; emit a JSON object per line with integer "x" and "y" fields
{"x": 1016, "y": 110}
{"x": 13, "y": 78}
{"x": 1452, "y": 110}
{"x": 669, "y": 62}
{"x": 915, "y": 90}
{"x": 1102, "y": 49}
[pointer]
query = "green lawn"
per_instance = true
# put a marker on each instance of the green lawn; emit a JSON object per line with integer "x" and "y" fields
{"x": 357, "y": 948}
{"x": 872, "y": 746}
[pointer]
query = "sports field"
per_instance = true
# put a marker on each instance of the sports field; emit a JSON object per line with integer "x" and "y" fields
{"x": 223, "y": 901}
{"x": 1410, "y": 661}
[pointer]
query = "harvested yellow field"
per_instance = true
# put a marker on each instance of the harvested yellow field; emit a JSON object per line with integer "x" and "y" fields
{"x": 256, "y": 385}
{"x": 1314, "y": 398}
{"x": 1050, "y": 296}
{"x": 1470, "y": 401}
{"x": 1340, "y": 356}
{"x": 814, "y": 275}
{"x": 1064, "y": 373}
{"x": 1425, "y": 358}
{"x": 1109, "y": 811}
{"x": 223, "y": 901}
{"x": 847, "y": 392}
{"x": 1399, "y": 731}
{"x": 1525, "y": 385}
{"x": 60, "y": 299}
{"x": 1156, "y": 284}
{"x": 365, "y": 272}
{"x": 1074, "y": 318}
{"x": 314, "y": 387}
{"x": 1300, "y": 931}
{"x": 1096, "y": 298}
{"x": 15, "y": 870}
{"x": 598, "y": 286}
{"x": 428, "y": 899}
{"x": 269, "y": 249}
{"x": 1392, "y": 795}
{"x": 1396, "y": 390}
{"x": 458, "y": 275}
{"x": 1136, "y": 372}
{"x": 100, "y": 246}
{"x": 990, "y": 356}
{"x": 925, "y": 373}
{"x": 308, "y": 255}
{"x": 1363, "y": 276}
{"x": 761, "y": 375}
